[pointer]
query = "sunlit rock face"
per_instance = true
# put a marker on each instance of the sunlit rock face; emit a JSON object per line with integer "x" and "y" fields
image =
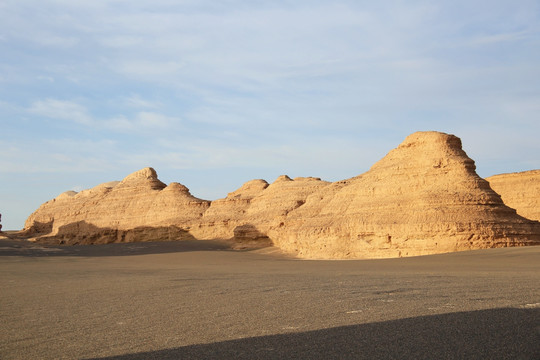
{"x": 247, "y": 213}
{"x": 424, "y": 197}
{"x": 520, "y": 191}
{"x": 138, "y": 208}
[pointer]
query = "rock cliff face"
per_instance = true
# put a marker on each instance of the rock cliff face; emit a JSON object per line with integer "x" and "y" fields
{"x": 424, "y": 197}
{"x": 520, "y": 191}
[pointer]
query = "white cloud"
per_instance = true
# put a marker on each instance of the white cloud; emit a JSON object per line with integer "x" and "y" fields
{"x": 46, "y": 78}
{"x": 122, "y": 41}
{"x": 62, "y": 110}
{"x": 147, "y": 68}
{"x": 501, "y": 37}
{"x": 142, "y": 121}
{"x": 120, "y": 123}
{"x": 59, "y": 155}
{"x": 155, "y": 120}
{"x": 136, "y": 101}
{"x": 56, "y": 41}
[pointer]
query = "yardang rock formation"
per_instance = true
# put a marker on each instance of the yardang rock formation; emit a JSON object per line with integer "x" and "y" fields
{"x": 520, "y": 191}
{"x": 424, "y": 197}
{"x": 139, "y": 208}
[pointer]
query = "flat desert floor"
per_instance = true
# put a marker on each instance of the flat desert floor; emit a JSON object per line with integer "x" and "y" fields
{"x": 200, "y": 300}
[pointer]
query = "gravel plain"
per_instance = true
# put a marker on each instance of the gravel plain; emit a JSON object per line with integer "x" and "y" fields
{"x": 202, "y": 300}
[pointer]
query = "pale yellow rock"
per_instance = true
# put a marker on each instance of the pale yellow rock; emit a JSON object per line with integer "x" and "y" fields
{"x": 225, "y": 215}
{"x": 424, "y": 197}
{"x": 520, "y": 191}
{"x": 247, "y": 213}
{"x": 139, "y": 208}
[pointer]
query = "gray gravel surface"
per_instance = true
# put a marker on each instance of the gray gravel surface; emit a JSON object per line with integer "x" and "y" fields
{"x": 200, "y": 300}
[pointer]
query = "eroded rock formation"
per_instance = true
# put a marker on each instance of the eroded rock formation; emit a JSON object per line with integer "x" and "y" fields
{"x": 247, "y": 213}
{"x": 424, "y": 197}
{"x": 520, "y": 191}
{"x": 138, "y": 208}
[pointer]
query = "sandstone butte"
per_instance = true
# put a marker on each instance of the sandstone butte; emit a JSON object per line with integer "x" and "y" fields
{"x": 424, "y": 197}
{"x": 520, "y": 191}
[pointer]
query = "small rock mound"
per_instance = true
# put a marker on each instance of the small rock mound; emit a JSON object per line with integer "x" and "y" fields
{"x": 254, "y": 206}
{"x": 249, "y": 189}
{"x": 144, "y": 178}
{"x": 147, "y": 173}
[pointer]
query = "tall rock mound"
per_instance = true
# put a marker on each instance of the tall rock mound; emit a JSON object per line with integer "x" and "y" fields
{"x": 138, "y": 208}
{"x": 424, "y": 197}
{"x": 520, "y": 191}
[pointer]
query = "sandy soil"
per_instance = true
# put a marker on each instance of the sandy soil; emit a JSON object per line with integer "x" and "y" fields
{"x": 198, "y": 299}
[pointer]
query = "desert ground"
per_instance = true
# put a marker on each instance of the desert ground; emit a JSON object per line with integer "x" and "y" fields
{"x": 202, "y": 300}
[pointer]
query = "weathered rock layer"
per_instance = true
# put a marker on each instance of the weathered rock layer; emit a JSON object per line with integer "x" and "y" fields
{"x": 520, "y": 191}
{"x": 424, "y": 197}
{"x": 138, "y": 208}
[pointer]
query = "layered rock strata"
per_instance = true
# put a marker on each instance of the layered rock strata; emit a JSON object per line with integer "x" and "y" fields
{"x": 424, "y": 197}
{"x": 139, "y": 208}
{"x": 520, "y": 191}
{"x": 248, "y": 213}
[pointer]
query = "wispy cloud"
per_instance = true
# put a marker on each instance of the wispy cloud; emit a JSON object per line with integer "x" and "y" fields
{"x": 501, "y": 37}
{"x": 61, "y": 110}
{"x": 57, "y": 41}
{"x": 150, "y": 69}
{"x": 142, "y": 121}
{"x": 122, "y": 41}
{"x": 59, "y": 155}
{"x": 136, "y": 101}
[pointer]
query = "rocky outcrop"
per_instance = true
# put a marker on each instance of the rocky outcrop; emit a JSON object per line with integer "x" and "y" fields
{"x": 424, "y": 197}
{"x": 247, "y": 213}
{"x": 520, "y": 191}
{"x": 139, "y": 208}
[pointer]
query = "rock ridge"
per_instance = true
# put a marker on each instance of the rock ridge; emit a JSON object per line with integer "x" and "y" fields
{"x": 520, "y": 191}
{"x": 423, "y": 197}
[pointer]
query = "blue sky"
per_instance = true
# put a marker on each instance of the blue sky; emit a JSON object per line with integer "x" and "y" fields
{"x": 215, "y": 93}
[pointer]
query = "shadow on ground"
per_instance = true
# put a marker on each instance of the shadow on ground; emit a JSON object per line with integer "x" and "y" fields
{"x": 19, "y": 247}
{"x": 505, "y": 333}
